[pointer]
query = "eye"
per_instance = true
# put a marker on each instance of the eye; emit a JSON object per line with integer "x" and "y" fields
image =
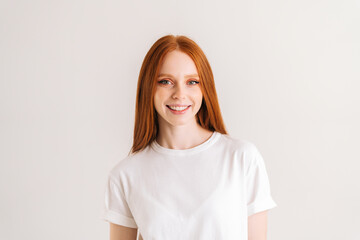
{"x": 193, "y": 82}
{"x": 164, "y": 82}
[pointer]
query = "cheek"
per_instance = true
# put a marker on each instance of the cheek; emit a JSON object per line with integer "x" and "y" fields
{"x": 199, "y": 96}
{"x": 156, "y": 100}
{"x": 158, "y": 97}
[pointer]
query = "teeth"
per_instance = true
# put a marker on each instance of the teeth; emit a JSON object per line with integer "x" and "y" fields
{"x": 178, "y": 108}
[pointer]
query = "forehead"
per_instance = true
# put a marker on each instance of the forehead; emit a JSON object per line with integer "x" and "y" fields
{"x": 177, "y": 62}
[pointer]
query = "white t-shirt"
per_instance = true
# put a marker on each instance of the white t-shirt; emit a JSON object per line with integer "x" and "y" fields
{"x": 203, "y": 193}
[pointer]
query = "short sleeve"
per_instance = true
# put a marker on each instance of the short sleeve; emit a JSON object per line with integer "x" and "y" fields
{"x": 257, "y": 186}
{"x": 116, "y": 209}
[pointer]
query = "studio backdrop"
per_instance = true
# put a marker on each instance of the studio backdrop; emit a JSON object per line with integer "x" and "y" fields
{"x": 287, "y": 77}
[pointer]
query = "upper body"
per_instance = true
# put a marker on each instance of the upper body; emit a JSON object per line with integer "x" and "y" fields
{"x": 186, "y": 178}
{"x": 206, "y": 192}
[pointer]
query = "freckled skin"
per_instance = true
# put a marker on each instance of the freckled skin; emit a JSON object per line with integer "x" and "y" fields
{"x": 177, "y": 87}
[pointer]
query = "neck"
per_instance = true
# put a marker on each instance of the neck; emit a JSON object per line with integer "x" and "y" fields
{"x": 182, "y": 136}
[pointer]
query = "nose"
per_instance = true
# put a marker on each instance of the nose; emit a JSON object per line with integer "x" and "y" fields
{"x": 179, "y": 92}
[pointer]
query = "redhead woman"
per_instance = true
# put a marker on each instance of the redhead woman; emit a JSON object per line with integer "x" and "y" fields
{"x": 185, "y": 178}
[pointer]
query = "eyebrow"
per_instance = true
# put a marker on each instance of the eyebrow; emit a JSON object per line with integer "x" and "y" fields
{"x": 186, "y": 76}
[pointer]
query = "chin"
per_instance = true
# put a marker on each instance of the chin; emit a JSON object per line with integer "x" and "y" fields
{"x": 182, "y": 122}
{"x": 178, "y": 123}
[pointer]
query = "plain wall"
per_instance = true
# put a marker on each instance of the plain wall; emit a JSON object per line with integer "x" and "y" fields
{"x": 287, "y": 76}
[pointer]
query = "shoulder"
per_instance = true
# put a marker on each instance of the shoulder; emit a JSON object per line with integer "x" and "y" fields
{"x": 239, "y": 145}
{"x": 241, "y": 150}
{"x": 244, "y": 153}
{"x": 128, "y": 165}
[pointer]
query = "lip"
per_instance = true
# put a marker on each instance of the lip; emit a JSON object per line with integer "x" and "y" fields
{"x": 179, "y": 112}
{"x": 179, "y": 105}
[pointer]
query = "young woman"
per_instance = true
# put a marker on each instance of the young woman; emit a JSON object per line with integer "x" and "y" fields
{"x": 185, "y": 177}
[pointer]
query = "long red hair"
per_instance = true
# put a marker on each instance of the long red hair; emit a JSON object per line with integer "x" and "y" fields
{"x": 146, "y": 123}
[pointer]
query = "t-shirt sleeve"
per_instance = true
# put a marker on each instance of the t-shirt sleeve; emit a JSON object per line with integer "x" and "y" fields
{"x": 116, "y": 209}
{"x": 257, "y": 186}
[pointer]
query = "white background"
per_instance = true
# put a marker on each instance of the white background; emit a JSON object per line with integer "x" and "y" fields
{"x": 287, "y": 76}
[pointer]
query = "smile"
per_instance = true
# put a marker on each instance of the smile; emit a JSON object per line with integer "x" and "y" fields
{"x": 178, "y": 109}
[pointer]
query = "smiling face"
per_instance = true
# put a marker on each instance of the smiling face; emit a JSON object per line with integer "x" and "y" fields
{"x": 178, "y": 95}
